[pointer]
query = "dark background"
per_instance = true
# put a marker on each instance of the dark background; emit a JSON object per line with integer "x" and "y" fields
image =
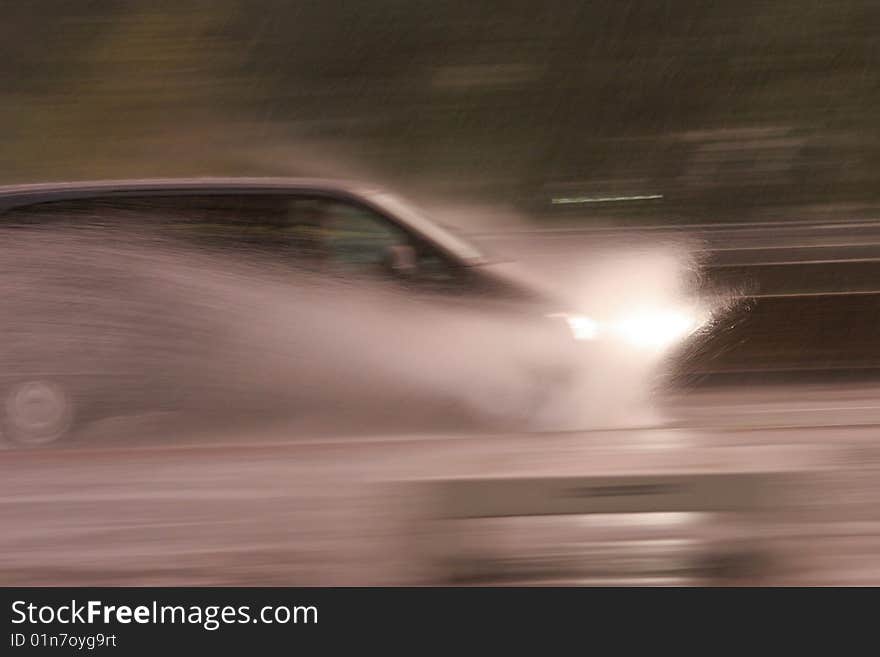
{"x": 728, "y": 110}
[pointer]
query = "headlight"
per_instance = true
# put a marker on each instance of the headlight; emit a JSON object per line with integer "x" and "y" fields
{"x": 581, "y": 326}
{"x": 657, "y": 329}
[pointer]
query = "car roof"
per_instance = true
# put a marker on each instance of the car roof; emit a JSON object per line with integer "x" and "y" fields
{"x": 17, "y": 195}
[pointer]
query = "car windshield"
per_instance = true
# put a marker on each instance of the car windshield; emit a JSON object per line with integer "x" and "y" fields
{"x": 439, "y": 234}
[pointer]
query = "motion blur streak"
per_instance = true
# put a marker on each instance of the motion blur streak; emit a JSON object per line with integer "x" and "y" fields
{"x": 248, "y": 489}
{"x": 687, "y": 193}
{"x": 234, "y": 337}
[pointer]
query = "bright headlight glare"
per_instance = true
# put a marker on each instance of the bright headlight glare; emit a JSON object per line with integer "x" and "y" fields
{"x": 581, "y": 326}
{"x": 657, "y": 329}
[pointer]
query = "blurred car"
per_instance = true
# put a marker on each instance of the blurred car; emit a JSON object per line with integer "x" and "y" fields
{"x": 54, "y": 377}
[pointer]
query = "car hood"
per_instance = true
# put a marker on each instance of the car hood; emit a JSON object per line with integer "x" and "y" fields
{"x": 515, "y": 282}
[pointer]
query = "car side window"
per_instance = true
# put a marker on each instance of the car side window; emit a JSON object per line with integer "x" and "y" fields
{"x": 357, "y": 238}
{"x": 304, "y": 231}
{"x": 229, "y": 222}
{"x": 73, "y": 214}
{"x": 360, "y": 240}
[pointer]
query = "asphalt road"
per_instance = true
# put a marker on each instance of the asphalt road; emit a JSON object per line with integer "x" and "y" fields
{"x": 278, "y": 509}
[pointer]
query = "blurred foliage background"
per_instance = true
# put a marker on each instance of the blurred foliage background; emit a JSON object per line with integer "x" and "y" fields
{"x": 703, "y": 110}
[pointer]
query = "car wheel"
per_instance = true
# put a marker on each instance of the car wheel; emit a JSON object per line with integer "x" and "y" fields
{"x": 36, "y": 413}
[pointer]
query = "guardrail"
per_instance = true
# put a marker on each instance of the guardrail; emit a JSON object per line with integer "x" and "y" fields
{"x": 745, "y": 501}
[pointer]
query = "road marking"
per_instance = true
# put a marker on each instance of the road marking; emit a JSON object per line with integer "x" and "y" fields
{"x": 780, "y": 263}
{"x": 603, "y": 199}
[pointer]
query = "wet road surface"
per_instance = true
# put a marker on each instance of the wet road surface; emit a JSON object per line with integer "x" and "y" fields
{"x": 270, "y": 510}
